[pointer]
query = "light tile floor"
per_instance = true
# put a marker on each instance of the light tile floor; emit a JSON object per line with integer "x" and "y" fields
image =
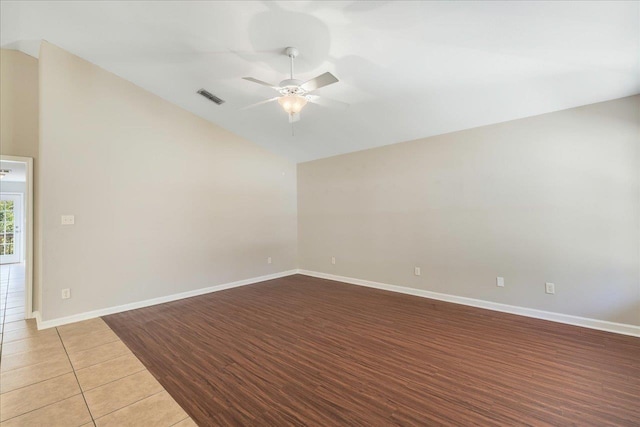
{"x": 75, "y": 375}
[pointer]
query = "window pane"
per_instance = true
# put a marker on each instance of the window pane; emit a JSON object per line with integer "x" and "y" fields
{"x": 9, "y": 238}
{"x": 8, "y": 249}
{"x": 8, "y": 205}
{"x": 1, "y": 249}
{"x": 8, "y": 216}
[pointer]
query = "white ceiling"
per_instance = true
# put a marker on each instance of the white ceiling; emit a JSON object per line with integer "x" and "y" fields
{"x": 409, "y": 69}
{"x": 18, "y": 171}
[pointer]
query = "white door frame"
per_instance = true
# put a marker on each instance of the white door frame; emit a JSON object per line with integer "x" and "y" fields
{"x": 28, "y": 230}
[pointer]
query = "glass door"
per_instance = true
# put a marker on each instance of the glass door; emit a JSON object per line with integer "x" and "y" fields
{"x": 10, "y": 228}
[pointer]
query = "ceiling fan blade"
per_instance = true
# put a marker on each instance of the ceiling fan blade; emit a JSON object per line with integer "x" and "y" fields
{"x": 260, "y": 82}
{"x": 294, "y": 117}
{"x": 266, "y": 101}
{"x": 320, "y": 81}
{"x": 327, "y": 102}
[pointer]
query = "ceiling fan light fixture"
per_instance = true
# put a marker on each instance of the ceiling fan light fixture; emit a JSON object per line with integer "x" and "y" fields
{"x": 292, "y": 104}
{"x": 294, "y": 93}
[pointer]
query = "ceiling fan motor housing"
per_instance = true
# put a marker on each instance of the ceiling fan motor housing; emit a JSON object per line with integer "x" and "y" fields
{"x": 291, "y": 87}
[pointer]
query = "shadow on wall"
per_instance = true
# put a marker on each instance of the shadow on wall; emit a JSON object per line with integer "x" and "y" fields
{"x": 628, "y": 311}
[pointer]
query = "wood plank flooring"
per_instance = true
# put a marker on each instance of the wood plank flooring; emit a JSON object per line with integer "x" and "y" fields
{"x": 307, "y": 351}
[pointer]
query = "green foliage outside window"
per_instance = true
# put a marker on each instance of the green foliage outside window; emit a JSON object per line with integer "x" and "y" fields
{"x": 6, "y": 227}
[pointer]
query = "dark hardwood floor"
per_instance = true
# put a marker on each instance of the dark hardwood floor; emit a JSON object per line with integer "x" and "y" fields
{"x": 306, "y": 351}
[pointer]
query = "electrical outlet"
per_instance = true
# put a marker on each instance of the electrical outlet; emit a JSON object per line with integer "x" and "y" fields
{"x": 333, "y": 260}
{"x": 66, "y": 293}
{"x": 500, "y": 282}
{"x": 550, "y": 288}
{"x": 67, "y": 219}
{"x": 269, "y": 260}
{"x": 416, "y": 271}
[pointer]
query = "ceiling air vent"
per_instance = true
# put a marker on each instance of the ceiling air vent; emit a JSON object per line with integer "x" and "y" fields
{"x": 211, "y": 97}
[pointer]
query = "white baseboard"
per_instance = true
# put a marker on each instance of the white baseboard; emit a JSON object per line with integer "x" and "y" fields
{"x": 602, "y": 325}
{"x": 160, "y": 300}
{"x": 619, "y": 328}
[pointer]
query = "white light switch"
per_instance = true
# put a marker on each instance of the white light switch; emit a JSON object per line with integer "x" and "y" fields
{"x": 66, "y": 293}
{"x": 268, "y": 260}
{"x": 500, "y": 281}
{"x": 68, "y": 219}
{"x": 417, "y": 271}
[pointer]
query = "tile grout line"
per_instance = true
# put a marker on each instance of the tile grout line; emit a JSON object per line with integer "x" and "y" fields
{"x": 44, "y": 349}
{"x": 68, "y": 358}
{"x": 37, "y": 382}
{"x": 37, "y": 409}
{"x": 22, "y": 339}
{"x": 95, "y": 346}
{"x": 134, "y": 402}
{"x": 113, "y": 381}
{"x": 76, "y": 377}
{"x": 187, "y": 417}
{"x": 102, "y": 361}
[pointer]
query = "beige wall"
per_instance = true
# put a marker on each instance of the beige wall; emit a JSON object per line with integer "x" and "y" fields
{"x": 549, "y": 198}
{"x": 164, "y": 201}
{"x": 552, "y": 198}
{"x": 19, "y": 124}
{"x": 18, "y": 104}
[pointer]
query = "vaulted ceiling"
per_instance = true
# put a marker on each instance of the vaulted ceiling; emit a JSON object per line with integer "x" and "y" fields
{"x": 408, "y": 69}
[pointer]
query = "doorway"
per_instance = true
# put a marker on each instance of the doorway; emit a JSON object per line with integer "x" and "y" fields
{"x": 16, "y": 237}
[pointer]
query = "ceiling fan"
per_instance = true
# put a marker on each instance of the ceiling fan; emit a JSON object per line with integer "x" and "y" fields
{"x": 294, "y": 94}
